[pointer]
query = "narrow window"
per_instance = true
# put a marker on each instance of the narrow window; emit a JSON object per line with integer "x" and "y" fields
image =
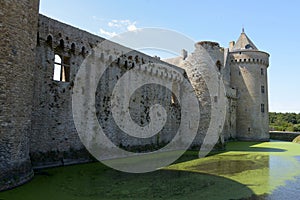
{"x": 62, "y": 44}
{"x": 73, "y": 48}
{"x": 216, "y": 99}
{"x": 262, "y": 108}
{"x": 61, "y": 68}
{"x": 174, "y": 91}
{"x": 173, "y": 98}
{"x": 261, "y": 71}
{"x": 83, "y": 51}
{"x": 262, "y": 89}
{"x": 219, "y": 65}
{"x": 65, "y": 76}
{"x": 57, "y": 68}
{"x": 49, "y": 40}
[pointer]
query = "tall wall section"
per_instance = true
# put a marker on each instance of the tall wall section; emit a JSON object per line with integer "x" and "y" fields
{"x": 18, "y": 30}
{"x": 249, "y": 77}
{"x": 54, "y": 140}
{"x": 207, "y": 60}
{"x": 229, "y": 129}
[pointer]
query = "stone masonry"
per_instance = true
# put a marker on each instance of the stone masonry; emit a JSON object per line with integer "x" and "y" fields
{"x": 40, "y": 58}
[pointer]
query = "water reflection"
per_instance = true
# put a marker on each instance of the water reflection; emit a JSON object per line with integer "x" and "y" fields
{"x": 269, "y": 168}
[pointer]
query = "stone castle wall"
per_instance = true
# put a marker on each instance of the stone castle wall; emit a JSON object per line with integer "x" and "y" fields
{"x": 37, "y": 124}
{"x": 18, "y": 30}
{"x": 54, "y": 139}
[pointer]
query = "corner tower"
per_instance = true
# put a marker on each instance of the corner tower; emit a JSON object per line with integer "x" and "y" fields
{"x": 248, "y": 67}
{"x": 18, "y": 30}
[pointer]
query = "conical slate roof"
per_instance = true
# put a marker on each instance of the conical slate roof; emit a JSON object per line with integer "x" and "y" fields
{"x": 244, "y": 43}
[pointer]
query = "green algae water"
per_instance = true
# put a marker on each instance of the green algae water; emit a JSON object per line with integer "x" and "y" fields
{"x": 246, "y": 170}
{"x": 269, "y": 169}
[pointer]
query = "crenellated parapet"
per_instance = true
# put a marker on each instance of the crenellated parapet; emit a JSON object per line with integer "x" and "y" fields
{"x": 250, "y": 57}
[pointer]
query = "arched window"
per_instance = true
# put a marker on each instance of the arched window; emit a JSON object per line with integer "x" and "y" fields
{"x": 83, "y": 51}
{"x": 62, "y": 43}
{"x": 174, "y": 92}
{"x": 61, "y": 68}
{"x": 57, "y": 68}
{"x": 49, "y": 40}
{"x": 73, "y": 48}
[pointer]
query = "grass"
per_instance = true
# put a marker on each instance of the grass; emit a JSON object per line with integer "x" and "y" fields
{"x": 245, "y": 170}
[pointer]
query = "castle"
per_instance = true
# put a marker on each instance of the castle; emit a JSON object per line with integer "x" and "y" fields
{"x": 37, "y": 127}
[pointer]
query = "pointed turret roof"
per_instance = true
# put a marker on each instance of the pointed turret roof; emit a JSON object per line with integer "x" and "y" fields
{"x": 244, "y": 43}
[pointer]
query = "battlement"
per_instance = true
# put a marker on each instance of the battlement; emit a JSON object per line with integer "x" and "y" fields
{"x": 249, "y": 56}
{"x": 249, "y": 60}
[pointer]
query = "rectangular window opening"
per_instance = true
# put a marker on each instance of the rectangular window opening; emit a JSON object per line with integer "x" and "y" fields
{"x": 261, "y": 71}
{"x": 262, "y": 108}
{"x": 262, "y": 89}
{"x": 61, "y": 68}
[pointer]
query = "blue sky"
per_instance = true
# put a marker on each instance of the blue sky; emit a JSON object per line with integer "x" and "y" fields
{"x": 273, "y": 26}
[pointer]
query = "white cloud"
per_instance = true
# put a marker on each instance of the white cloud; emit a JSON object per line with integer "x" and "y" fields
{"x": 107, "y": 33}
{"x": 118, "y": 26}
{"x": 122, "y": 25}
{"x": 132, "y": 27}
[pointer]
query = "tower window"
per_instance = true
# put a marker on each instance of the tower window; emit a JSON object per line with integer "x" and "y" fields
{"x": 216, "y": 99}
{"x": 173, "y": 99}
{"x": 248, "y": 46}
{"x": 262, "y": 108}
{"x": 219, "y": 65}
{"x": 61, "y": 68}
{"x": 263, "y": 89}
{"x": 261, "y": 71}
{"x": 174, "y": 91}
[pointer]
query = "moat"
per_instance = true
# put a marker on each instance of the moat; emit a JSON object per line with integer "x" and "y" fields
{"x": 246, "y": 170}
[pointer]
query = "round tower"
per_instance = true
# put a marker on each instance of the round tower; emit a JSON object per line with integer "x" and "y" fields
{"x": 204, "y": 68}
{"x": 18, "y": 25}
{"x": 248, "y": 73}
